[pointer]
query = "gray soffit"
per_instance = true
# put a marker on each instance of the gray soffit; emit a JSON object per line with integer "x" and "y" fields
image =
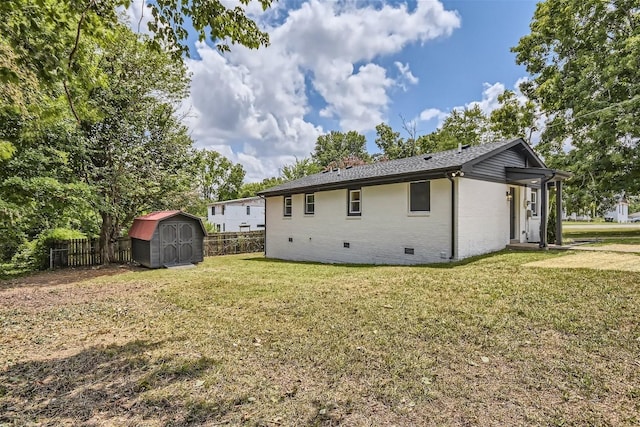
{"x": 534, "y": 176}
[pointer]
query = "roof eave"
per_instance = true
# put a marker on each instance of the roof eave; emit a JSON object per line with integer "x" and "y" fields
{"x": 364, "y": 182}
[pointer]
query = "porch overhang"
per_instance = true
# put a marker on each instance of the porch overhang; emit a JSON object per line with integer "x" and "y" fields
{"x": 543, "y": 178}
{"x": 534, "y": 177}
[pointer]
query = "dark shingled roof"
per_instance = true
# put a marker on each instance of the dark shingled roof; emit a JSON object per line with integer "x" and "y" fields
{"x": 396, "y": 170}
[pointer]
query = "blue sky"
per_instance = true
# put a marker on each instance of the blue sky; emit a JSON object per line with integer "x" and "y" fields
{"x": 349, "y": 65}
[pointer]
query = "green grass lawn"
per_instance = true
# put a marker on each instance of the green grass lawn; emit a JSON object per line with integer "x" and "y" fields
{"x": 241, "y": 340}
{"x": 602, "y": 232}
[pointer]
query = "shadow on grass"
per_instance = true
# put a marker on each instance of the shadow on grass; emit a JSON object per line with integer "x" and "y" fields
{"x": 103, "y": 383}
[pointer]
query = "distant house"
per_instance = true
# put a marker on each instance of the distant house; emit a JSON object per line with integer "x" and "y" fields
{"x": 429, "y": 208}
{"x": 237, "y": 215}
{"x": 619, "y": 213}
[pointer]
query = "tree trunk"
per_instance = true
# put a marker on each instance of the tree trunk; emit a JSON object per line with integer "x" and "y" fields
{"x": 108, "y": 238}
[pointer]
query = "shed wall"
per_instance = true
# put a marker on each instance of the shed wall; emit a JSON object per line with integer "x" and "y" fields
{"x": 140, "y": 252}
{"x": 379, "y": 236}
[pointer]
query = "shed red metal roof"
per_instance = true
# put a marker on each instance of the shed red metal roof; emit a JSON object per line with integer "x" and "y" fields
{"x": 144, "y": 226}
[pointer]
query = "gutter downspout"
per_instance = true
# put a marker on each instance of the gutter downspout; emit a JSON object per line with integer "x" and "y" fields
{"x": 453, "y": 214}
{"x": 265, "y": 223}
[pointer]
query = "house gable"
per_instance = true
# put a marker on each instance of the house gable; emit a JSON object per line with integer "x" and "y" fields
{"x": 493, "y": 168}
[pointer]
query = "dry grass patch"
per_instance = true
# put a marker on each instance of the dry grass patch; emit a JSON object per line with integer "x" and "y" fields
{"x": 247, "y": 341}
{"x": 596, "y": 260}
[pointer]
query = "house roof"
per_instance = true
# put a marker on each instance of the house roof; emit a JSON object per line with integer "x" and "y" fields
{"x": 243, "y": 200}
{"x": 422, "y": 166}
{"x": 144, "y": 226}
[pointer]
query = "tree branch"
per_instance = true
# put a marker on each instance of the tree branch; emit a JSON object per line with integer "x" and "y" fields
{"x": 71, "y": 56}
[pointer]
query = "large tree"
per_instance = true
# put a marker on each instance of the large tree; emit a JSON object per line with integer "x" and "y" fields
{"x": 137, "y": 156}
{"x": 463, "y": 126}
{"x": 334, "y": 147}
{"x": 393, "y": 146}
{"x": 218, "y": 177}
{"x": 584, "y": 58}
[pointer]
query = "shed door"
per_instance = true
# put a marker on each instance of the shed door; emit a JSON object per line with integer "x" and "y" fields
{"x": 176, "y": 243}
{"x": 185, "y": 242}
{"x": 169, "y": 243}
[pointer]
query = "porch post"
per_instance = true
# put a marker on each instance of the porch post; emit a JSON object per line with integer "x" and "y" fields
{"x": 559, "y": 213}
{"x": 543, "y": 211}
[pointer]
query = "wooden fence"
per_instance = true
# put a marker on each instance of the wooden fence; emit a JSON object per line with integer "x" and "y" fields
{"x": 233, "y": 243}
{"x": 86, "y": 252}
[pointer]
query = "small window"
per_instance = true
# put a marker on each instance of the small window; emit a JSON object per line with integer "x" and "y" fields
{"x": 218, "y": 227}
{"x": 534, "y": 202}
{"x": 287, "y": 206}
{"x": 309, "y": 204}
{"x": 248, "y": 210}
{"x": 409, "y": 251}
{"x": 213, "y": 210}
{"x": 346, "y": 245}
{"x": 354, "y": 207}
{"x": 420, "y": 196}
{"x": 222, "y": 209}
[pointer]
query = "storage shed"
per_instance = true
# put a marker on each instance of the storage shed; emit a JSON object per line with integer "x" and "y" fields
{"x": 166, "y": 238}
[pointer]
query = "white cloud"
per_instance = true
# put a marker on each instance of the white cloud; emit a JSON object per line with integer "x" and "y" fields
{"x": 406, "y": 75}
{"x": 432, "y": 113}
{"x": 489, "y": 100}
{"x": 255, "y": 102}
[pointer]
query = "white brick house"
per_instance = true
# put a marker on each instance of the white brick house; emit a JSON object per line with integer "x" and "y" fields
{"x": 237, "y": 215}
{"x": 429, "y": 208}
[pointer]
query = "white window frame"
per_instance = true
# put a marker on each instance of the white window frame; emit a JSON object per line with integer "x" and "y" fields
{"x": 308, "y": 203}
{"x": 287, "y": 206}
{"x": 351, "y": 201}
{"x": 534, "y": 202}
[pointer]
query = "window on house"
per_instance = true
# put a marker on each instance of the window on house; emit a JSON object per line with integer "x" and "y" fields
{"x": 287, "y": 206}
{"x": 248, "y": 210}
{"x": 218, "y": 227}
{"x": 309, "y": 204}
{"x": 354, "y": 207}
{"x": 213, "y": 210}
{"x": 222, "y": 209}
{"x": 420, "y": 196}
{"x": 534, "y": 202}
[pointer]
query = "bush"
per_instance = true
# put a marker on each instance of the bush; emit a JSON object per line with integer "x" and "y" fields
{"x": 34, "y": 255}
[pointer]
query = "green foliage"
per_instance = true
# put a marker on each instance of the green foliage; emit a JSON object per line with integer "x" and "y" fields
{"x": 218, "y": 178}
{"x": 88, "y": 134}
{"x": 584, "y": 56}
{"x": 513, "y": 119}
{"x": 209, "y": 227}
{"x": 468, "y": 126}
{"x": 336, "y": 146}
{"x": 210, "y": 19}
{"x": 393, "y": 146}
{"x": 34, "y": 255}
{"x": 299, "y": 169}
{"x": 551, "y": 218}
{"x": 252, "y": 189}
